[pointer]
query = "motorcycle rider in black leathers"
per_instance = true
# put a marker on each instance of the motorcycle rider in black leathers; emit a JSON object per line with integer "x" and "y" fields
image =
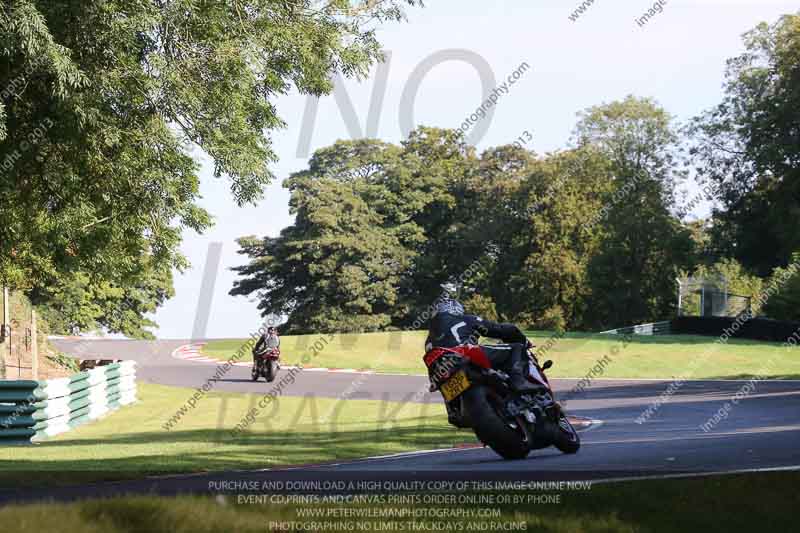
{"x": 268, "y": 341}
{"x": 450, "y": 327}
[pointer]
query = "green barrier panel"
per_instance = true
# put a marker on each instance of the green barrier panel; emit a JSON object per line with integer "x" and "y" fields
{"x": 80, "y": 404}
{"x": 43, "y": 419}
{"x": 80, "y": 376}
{"x": 79, "y": 421}
{"x": 76, "y": 400}
{"x": 44, "y": 424}
{"x": 77, "y": 413}
{"x": 20, "y": 421}
{"x": 113, "y": 390}
{"x": 114, "y": 384}
{"x": 79, "y": 390}
{"x": 114, "y": 394}
{"x": 77, "y": 395}
{"x": 18, "y": 395}
{"x": 25, "y": 384}
{"x": 81, "y": 401}
{"x": 14, "y": 441}
{"x": 17, "y": 408}
{"x": 17, "y": 432}
{"x": 41, "y": 395}
{"x": 114, "y": 401}
{"x": 23, "y": 403}
{"x": 82, "y": 384}
{"x": 40, "y": 435}
{"x": 43, "y": 415}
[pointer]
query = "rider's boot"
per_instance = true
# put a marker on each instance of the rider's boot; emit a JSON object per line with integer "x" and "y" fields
{"x": 519, "y": 371}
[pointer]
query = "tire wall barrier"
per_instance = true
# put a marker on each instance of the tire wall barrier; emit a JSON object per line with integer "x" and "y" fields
{"x": 31, "y": 411}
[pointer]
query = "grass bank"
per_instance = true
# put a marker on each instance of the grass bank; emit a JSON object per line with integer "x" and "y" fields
{"x": 758, "y": 502}
{"x": 574, "y": 354}
{"x": 290, "y": 431}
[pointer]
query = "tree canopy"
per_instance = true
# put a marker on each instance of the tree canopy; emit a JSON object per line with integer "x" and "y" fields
{"x": 379, "y": 228}
{"x": 748, "y": 149}
{"x": 102, "y": 103}
{"x": 588, "y": 237}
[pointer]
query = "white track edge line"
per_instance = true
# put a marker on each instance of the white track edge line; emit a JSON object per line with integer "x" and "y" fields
{"x": 790, "y": 468}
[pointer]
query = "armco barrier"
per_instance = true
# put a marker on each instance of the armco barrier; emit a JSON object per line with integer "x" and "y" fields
{"x": 35, "y": 410}
{"x": 656, "y": 328}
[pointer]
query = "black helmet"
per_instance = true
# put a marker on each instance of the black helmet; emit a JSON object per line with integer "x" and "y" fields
{"x": 450, "y": 306}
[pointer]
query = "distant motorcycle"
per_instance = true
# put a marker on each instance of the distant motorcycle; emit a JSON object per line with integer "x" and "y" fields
{"x": 266, "y": 363}
{"x": 483, "y": 399}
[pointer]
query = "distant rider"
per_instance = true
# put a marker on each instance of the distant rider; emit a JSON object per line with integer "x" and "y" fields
{"x": 450, "y": 327}
{"x": 268, "y": 342}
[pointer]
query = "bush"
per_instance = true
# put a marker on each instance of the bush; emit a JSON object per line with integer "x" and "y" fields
{"x": 552, "y": 320}
{"x": 784, "y": 303}
{"x": 65, "y": 362}
{"x": 481, "y": 305}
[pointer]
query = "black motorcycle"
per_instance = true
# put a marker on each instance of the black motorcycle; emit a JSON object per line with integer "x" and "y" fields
{"x": 482, "y": 398}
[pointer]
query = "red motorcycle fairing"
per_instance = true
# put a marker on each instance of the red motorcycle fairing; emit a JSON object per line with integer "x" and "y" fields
{"x": 474, "y": 353}
{"x": 270, "y": 354}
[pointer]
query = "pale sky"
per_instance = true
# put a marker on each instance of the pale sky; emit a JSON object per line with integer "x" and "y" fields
{"x": 678, "y": 58}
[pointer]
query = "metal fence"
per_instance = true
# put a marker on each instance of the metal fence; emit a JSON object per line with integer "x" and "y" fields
{"x": 709, "y": 297}
{"x": 20, "y": 342}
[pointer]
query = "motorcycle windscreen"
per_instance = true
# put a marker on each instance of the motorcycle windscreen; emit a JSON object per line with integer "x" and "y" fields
{"x": 535, "y": 375}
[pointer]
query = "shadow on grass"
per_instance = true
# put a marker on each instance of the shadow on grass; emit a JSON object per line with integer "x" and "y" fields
{"x": 216, "y": 450}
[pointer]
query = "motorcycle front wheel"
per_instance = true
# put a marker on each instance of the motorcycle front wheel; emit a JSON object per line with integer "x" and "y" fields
{"x": 508, "y": 438}
{"x": 566, "y": 438}
{"x": 272, "y": 370}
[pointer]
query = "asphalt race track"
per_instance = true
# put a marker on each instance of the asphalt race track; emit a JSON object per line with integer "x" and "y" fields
{"x": 761, "y": 432}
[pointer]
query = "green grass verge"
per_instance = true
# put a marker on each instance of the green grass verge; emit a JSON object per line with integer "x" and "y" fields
{"x": 574, "y": 355}
{"x": 133, "y": 442}
{"x": 759, "y": 502}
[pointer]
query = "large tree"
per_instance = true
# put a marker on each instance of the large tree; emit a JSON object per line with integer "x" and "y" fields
{"x": 578, "y": 238}
{"x": 374, "y": 236}
{"x": 543, "y": 278}
{"x": 79, "y": 302}
{"x": 644, "y": 246}
{"x": 748, "y": 149}
{"x": 103, "y": 101}
{"x": 337, "y": 268}
{"x": 379, "y": 228}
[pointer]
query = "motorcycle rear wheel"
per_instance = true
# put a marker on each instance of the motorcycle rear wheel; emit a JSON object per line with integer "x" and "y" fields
{"x": 510, "y": 440}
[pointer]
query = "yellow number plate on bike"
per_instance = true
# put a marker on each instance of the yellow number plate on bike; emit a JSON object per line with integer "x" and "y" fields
{"x": 453, "y": 387}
